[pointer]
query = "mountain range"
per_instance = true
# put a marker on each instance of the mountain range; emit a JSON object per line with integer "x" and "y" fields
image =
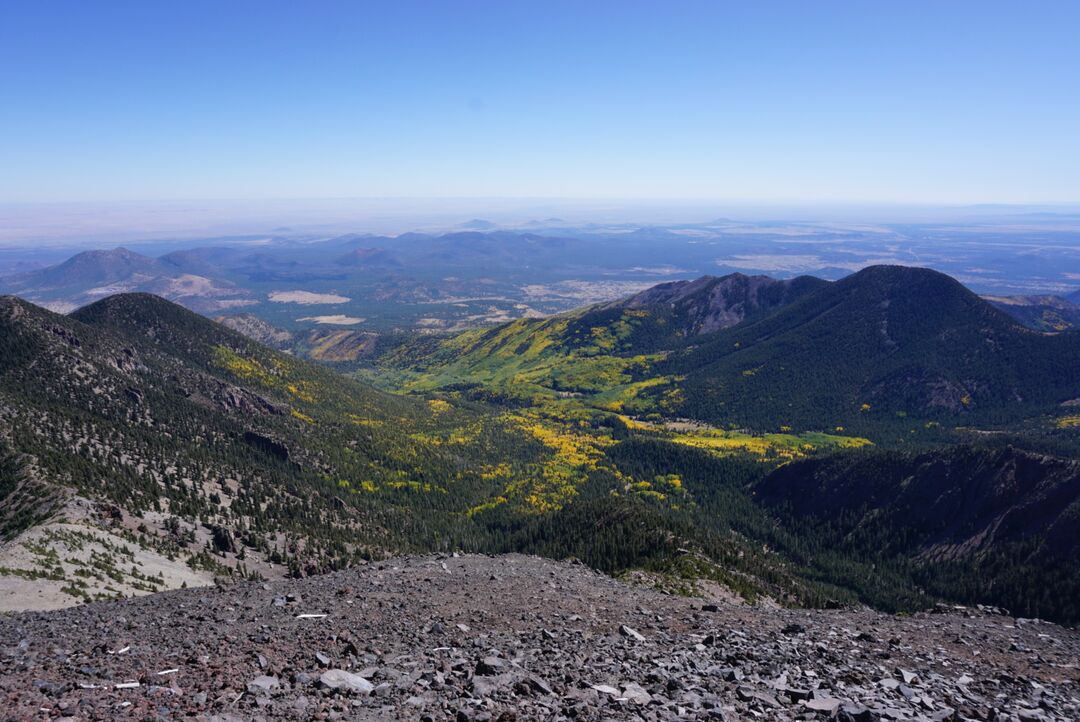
{"x": 145, "y": 447}
{"x": 696, "y": 431}
{"x": 435, "y": 282}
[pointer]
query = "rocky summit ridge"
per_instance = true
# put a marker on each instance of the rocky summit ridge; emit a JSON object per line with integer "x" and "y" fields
{"x": 520, "y": 638}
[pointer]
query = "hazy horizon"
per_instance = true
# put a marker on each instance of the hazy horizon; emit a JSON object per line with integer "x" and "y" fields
{"x": 90, "y": 224}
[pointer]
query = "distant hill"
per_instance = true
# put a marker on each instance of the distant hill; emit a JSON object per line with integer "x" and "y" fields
{"x": 479, "y": 224}
{"x": 1051, "y": 314}
{"x": 207, "y": 261}
{"x": 91, "y": 268}
{"x": 369, "y": 258}
{"x": 90, "y": 275}
{"x": 474, "y": 247}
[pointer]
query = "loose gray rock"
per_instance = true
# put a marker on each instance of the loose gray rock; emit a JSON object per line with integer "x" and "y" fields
{"x": 541, "y": 641}
{"x": 491, "y": 666}
{"x": 339, "y": 679}
{"x": 263, "y": 683}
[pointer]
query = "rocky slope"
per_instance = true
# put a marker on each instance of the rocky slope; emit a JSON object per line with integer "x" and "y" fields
{"x": 333, "y": 345}
{"x": 519, "y": 638}
{"x": 711, "y": 303}
{"x": 258, "y": 330}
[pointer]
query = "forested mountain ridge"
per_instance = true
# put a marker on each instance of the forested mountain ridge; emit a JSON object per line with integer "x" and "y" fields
{"x": 655, "y": 320}
{"x": 906, "y": 357}
{"x": 1000, "y": 525}
{"x": 887, "y": 346}
{"x": 193, "y": 441}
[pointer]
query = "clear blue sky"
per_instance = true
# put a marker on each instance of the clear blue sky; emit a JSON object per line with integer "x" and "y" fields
{"x": 939, "y": 101}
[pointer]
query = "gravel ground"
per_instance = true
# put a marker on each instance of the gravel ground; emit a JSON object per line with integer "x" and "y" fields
{"x": 520, "y": 638}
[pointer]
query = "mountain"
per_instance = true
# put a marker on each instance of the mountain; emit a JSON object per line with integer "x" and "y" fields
{"x": 1051, "y": 314}
{"x": 94, "y": 268}
{"x": 90, "y": 275}
{"x": 996, "y": 524}
{"x": 137, "y": 425}
{"x": 887, "y": 340}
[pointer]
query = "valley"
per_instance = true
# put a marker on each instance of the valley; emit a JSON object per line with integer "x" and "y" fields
{"x": 646, "y": 436}
{"x": 521, "y": 362}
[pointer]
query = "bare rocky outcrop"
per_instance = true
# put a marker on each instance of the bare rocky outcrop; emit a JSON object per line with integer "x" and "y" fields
{"x": 713, "y": 303}
{"x": 257, "y": 329}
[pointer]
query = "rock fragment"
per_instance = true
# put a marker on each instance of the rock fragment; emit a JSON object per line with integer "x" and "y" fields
{"x": 340, "y": 680}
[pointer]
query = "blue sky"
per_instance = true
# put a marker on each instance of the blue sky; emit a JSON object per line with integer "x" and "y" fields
{"x": 928, "y": 102}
